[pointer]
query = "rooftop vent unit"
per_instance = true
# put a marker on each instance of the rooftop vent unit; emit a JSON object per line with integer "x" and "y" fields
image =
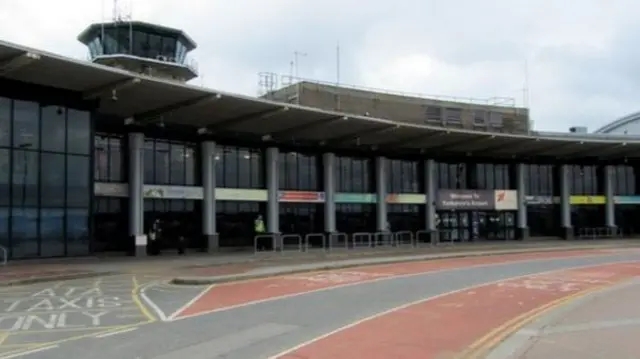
{"x": 578, "y": 129}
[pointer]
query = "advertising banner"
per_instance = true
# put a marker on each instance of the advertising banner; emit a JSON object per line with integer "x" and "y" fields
{"x": 587, "y": 200}
{"x": 626, "y": 199}
{"x": 355, "y": 198}
{"x": 301, "y": 196}
{"x": 406, "y": 198}
{"x": 541, "y": 200}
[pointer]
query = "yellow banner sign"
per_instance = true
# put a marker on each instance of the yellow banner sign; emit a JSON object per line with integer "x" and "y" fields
{"x": 581, "y": 200}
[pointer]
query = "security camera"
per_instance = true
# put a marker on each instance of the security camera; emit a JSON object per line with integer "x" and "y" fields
{"x": 114, "y": 96}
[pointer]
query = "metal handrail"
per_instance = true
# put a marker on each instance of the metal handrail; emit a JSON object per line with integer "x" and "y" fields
{"x": 308, "y": 236}
{"x": 451, "y": 240}
{"x": 338, "y": 235}
{"x": 423, "y": 232}
{"x": 356, "y": 235}
{"x": 401, "y": 235}
{"x": 5, "y": 255}
{"x": 297, "y": 237}
{"x": 383, "y": 238}
{"x": 259, "y": 236}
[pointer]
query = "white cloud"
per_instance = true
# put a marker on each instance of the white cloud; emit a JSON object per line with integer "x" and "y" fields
{"x": 581, "y": 54}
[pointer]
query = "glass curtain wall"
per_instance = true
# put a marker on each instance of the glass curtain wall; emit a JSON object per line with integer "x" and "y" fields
{"x": 585, "y": 182}
{"x": 45, "y": 156}
{"x": 624, "y": 184}
{"x": 404, "y": 176}
{"x": 543, "y": 218}
{"x": 354, "y": 175}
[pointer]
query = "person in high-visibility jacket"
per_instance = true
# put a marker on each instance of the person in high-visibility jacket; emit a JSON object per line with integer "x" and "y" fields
{"x": 259, "y": 229}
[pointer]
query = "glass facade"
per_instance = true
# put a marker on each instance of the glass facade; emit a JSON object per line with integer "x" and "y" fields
{"x": 543, "y": 219}
{"x": 109, "y": 158}
{"x": 298, "y": 171}
{"x": 354, "y": 174}
{"x": 240, "y": 167}
{"x": 170, "y": 163}
{"x": 404, "y": 177}
{"x": 46, "y": 184}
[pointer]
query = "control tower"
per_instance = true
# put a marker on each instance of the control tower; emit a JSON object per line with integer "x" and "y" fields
{"x": 141, "y": 47}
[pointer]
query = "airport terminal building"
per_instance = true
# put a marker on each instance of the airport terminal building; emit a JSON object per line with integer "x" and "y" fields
{"x": 93, "y": 152}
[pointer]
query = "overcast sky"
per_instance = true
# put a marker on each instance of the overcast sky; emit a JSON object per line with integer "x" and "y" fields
{"x": 583, "y": 57}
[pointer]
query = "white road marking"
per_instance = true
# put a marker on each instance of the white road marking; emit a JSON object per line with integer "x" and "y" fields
{"x": 106, "y": 335}
{"x": 420, "y": 301}
{"x": 190, "y": 303}
{"x": 27, "y": 352}
{"x": 161, "y": 314}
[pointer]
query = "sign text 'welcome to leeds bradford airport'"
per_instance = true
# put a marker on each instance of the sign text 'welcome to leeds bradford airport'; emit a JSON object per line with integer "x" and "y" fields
{"x": 476, "y": 200}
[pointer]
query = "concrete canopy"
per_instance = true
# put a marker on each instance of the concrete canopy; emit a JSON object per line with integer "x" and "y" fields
{"x": 145, "y": 100}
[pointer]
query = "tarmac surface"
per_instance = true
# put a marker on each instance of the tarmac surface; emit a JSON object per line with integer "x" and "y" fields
{"x": 326, "y": 314}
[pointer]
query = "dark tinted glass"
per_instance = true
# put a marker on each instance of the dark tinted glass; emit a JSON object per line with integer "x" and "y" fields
{"x": 53, "y": 128}
{"x": 78, "y": 132}
{"x": 5, "y": 121}
{"x": 52, "y": 182}
{"x": 5, "y": 171}
{"x": 25, "y": 178}
{"x": 78, "y": 181}
{"x": 52, "y": 232}
{"x": 26, "y": 129}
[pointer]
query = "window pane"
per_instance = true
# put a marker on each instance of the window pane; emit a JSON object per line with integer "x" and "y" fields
{"x": 52, "y": 180}
{"x": 149, "y": 154}
{"x": 78, "y": 132}
{"x": 51, "y": 232}
{"x": 5, "y": 121}
{"x": 77, "y": 231}
{"x": 24, "y": 232}
{"x": 78, "y": 181}
{"x": 177, "y": 175}
{"x": 53, "y": 128}
{"x": 190, "y": 166}
{"x": 25, "y": 178}
{"x": 115, "y": 160}
{"x": 161, "y": 163}
{"x": 26, "y": 132}
{"x": 4, "y": 227}
{"x": 5, "y": 171}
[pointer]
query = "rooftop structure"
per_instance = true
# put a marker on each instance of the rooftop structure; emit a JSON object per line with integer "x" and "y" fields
{"x": 496, "y": 114}
{"x": 142, "y": 48}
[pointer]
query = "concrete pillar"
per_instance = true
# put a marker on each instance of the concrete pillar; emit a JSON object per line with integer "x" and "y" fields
{"x": 136, "y": 186}
{"x": 565, "y": 204}
{"x": 328, "y": 161}
{"x": 273, "y": 207}
{"x": 210, "y": 235}
{"x": 521, "y": 187}
{"x": 381, "y": 195}
{"x": 430, "y": 211}
{"x": 610, "y": 213}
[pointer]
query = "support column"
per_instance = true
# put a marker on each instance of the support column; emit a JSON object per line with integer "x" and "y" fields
{"x": 136, "y": 199}
{"x": 523, "y": 228}
{"x": 610, "y": 212}
{"x": 430, "y": 189}
{"x": 209, "y": 233}
{"x": 328, "y": 161}
{"x": 381, "y": 195}
{"x": 273, "y": 207}
{"x": 565, "y": 204}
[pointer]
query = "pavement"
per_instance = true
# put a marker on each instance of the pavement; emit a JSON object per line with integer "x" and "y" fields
{"x": 201, "y": 269}
{"x": 144, "y": 316}
{"x": 467, "y": 305}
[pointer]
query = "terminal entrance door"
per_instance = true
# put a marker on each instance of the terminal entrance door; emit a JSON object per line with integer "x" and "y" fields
{"x": 463, "y": 226}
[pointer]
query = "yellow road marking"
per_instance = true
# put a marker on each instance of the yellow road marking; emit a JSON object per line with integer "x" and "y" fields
{"x": 483, "y": 345}
{"x": 3, "y": 337}
{"x": 135, "y": 296}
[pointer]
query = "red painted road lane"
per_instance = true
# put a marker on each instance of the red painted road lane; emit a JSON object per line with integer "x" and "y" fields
{"x": 446, "y": 326}
{"x": 234, "y": 294}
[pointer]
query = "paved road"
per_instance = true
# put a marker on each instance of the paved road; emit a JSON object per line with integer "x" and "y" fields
{"x": 159, "y": 326}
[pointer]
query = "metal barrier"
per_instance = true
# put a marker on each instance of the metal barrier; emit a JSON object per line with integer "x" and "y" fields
{"x": 256, "y": 241}
{"x": 5, "y": 255}
{"x": 366, "y": 236}
{"x": 309, "y": 236}
{"x": 295, "y": 237}
{"x": 383, "y": 239}
{"x": 446, "y": 236}
{"x": 423, "y": 234}
{"x": 337, "y": 236}
{"x": 598, "y": 232}
{"x": 403, "y": 238}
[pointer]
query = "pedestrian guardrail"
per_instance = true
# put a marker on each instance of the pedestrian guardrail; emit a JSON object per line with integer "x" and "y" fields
{"x": 598, "y": 232}
{"x": 5, "y": 256}
{"x": 383, "y": 239}
{"x": 446, "y": 236}
{"x": 403, "y": 238}
{"x": 423, "y": 238}
{"x": 361, "y": 239}
{"x": 337, "y": 238}
{"x": 290, "y": 240}
{"x": 308, "y": 237}
{"x": 257, "y": 243}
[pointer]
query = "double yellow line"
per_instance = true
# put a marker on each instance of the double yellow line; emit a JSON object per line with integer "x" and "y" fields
{"x": 481, "y": 347}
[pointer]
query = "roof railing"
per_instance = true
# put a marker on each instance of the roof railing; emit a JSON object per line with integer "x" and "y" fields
{"x": 278, "y": 82}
